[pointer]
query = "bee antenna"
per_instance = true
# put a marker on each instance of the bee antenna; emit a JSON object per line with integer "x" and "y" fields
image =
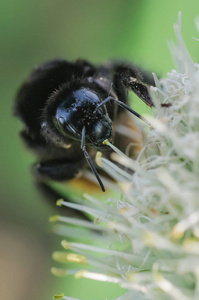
{"x": 89, "y": 161}
{"x": 120, "y": 103}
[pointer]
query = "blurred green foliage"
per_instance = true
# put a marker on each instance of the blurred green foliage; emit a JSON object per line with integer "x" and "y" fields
{"x": 32, "y": 32}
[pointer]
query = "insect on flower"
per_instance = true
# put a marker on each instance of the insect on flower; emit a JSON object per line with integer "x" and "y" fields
{"x": 69, "y": 109}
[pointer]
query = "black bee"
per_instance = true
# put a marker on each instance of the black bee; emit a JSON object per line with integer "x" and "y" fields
{"x": 69, "y": 109}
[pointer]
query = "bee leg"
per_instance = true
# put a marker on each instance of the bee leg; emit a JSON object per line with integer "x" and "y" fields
{"x": 136, "y": 80}
{"x": 57, "y": 170}
{"x": 60, "y": 172}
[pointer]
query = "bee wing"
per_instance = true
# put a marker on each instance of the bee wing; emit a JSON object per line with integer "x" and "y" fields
{"x": 34, "y": 93}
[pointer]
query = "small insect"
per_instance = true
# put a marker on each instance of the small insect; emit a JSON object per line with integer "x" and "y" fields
{"x": 69, "y": 109}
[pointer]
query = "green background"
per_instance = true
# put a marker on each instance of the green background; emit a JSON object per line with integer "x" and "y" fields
{"x": 32, "y": 32}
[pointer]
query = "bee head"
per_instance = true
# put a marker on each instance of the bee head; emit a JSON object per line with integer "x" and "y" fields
{"x": 78, "y": 110}
{"x": 78, "y": 116}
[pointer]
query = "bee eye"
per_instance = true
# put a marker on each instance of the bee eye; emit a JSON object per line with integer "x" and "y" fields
{"x": 61, "y": 120}
{"x": 64, "y": 124}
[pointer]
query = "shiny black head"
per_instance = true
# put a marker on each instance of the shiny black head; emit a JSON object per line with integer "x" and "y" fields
{"x": 78, "y": 110}
{"x": 77, "y": 116}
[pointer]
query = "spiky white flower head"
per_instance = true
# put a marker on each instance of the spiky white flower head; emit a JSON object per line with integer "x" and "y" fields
{"x": 149, "y": 239}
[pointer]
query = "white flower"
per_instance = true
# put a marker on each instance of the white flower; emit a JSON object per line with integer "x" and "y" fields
{"x": 149, "y": 241}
